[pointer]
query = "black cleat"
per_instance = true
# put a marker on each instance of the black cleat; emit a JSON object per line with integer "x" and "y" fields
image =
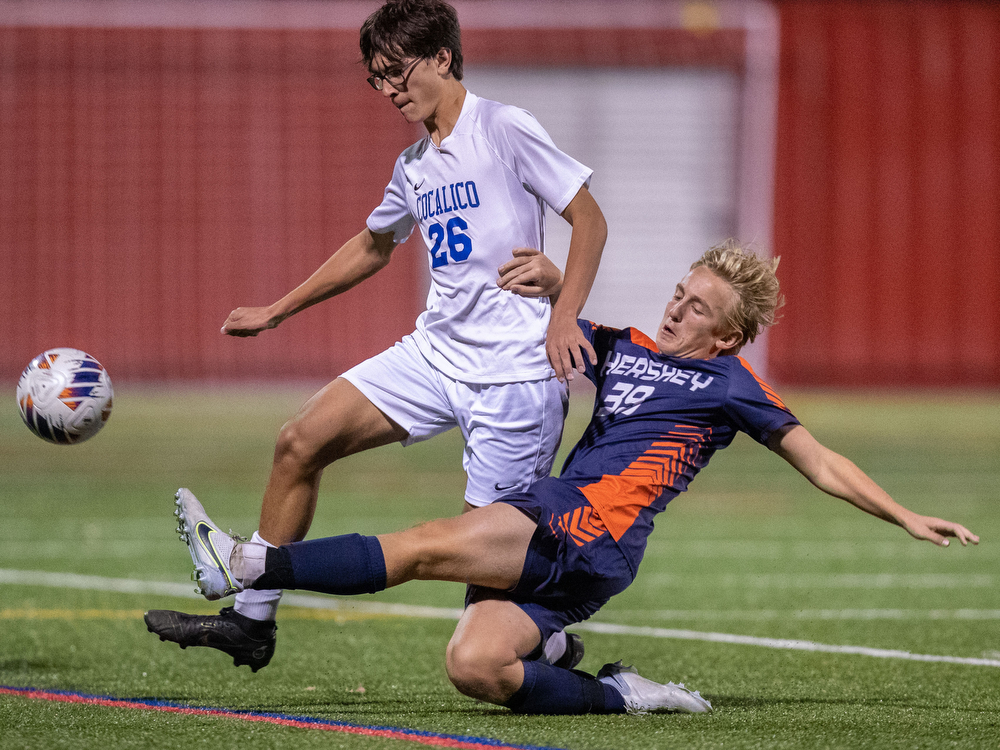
{"x": 249, "y": 642}
{"x": 573, "y": 654}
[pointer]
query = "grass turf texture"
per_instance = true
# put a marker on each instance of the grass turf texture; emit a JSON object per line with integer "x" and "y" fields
{"x": 750, "y": 549}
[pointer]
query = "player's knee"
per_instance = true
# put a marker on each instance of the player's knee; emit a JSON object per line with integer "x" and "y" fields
{"x": 473, "y": 673}
{"x": 296, "y": 450}
{"x": 479, "y": 672}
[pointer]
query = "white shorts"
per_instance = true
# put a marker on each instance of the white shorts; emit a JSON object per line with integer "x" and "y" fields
{"x": 511, "y": 430}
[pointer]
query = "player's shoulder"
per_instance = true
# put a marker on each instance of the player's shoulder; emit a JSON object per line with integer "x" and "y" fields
{"x": 492, "y": 117}
{"x": 745, "y": 377}
{"x": 744, "y": 368}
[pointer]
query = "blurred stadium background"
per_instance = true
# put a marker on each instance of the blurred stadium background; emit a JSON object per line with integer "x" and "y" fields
{"x": 164, "y": 162}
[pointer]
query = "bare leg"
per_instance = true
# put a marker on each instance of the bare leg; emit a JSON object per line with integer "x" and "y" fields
{"x": 484, "y": 655}
{"x": 336, "y": 422}
{"x": 485, "y": 546}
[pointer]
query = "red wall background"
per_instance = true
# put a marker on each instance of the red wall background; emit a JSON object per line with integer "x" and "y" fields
{"x": 153, "y": 179}
{"x": 887, "y": 205}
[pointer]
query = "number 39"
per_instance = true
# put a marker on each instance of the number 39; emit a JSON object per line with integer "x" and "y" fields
{"x": 625, "y": 399}
{"x": 459, "y": 245}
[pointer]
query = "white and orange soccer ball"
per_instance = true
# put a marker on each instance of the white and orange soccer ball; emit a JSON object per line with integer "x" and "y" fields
{"x": 64, "y": 396}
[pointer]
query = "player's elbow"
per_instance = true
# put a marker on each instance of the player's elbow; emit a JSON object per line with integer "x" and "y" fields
{"x": 379, "y": 247}
{"x": 601, "y": 224}
{"x": 597, "y": 226}
{"x": 584, "y": 215}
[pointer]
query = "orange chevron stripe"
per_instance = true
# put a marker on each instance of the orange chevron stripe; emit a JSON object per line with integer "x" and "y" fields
{"x": 582, "y": 525}
{"x": 593, "y": 522}
{"x": 772, "y": 396}
{"x": 575, "y": 530}
{"x": 619, "y": 499}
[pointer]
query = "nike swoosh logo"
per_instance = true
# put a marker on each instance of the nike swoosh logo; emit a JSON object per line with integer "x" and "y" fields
{"x": 203, "y": 530}
{"x": 416, "y": 188}
{"x": 498, "y": 488}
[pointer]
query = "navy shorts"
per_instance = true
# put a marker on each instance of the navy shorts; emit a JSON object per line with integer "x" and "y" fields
{"x": 572, "y": 567}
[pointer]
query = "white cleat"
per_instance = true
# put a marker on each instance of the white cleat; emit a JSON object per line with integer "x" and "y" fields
{"x": 644, "y": 696}
{"x": 210, "y": 548}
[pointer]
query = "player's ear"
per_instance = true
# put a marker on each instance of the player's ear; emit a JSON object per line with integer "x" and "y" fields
{"x": 442, "y": 60}
{"x": 729, "y": 341}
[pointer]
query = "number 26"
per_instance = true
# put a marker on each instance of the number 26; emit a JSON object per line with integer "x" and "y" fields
{"x": 459, "y": 244}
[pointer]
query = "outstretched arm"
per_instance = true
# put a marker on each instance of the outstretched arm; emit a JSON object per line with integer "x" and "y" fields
{"x": 359, "y": 257}
{"x": 838, "y": 476}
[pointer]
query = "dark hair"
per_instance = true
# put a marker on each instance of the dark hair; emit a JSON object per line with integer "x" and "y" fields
{"x": 412, "y": 28}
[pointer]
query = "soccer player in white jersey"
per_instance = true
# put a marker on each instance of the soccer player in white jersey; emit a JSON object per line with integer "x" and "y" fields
{"x": 490, "y": 356}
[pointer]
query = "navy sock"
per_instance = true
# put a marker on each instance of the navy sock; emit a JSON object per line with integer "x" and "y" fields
{"x": 551, "y": 690}
{"x": 349, "y": 564}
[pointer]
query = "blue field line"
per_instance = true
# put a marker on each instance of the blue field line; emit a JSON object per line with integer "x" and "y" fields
{"x": 436, "y": 739}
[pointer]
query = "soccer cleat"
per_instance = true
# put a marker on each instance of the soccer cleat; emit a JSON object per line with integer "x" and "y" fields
{"x": 210, "y": 548}
{"x": 248, "y": 641}
{"x": 644, "y": 696}
{"x": 572, "y": 653}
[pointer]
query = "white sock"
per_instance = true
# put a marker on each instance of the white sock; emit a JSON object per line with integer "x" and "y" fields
{"x": 247, "y": 562}
{"x": 258, "y": 605}
{"x": 555, "y": 646}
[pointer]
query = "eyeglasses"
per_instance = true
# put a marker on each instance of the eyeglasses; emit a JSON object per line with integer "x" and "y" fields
{"x": 395, "y": 78}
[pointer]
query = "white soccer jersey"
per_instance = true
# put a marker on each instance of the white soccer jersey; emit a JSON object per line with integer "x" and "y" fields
{"x": 475, "y": 198}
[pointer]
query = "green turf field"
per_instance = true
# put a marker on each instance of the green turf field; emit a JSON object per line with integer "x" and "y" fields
{"x": 750, "y": 550}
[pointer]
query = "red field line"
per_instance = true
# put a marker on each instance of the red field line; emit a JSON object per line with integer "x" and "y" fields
{"x": 301, "y": 722}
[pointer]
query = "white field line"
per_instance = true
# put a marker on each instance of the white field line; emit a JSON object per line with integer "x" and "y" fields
{"x": 794, "y": 581}
{"x": 764, "y": 615}
{"x": 187, "y": 591}
{"x": 780, "y": 643}
{"x": 827, "y": 549}
{"x": 131, "y": 586}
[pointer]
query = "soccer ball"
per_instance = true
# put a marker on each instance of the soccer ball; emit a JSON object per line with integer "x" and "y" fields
{"x": 64, "y": 396}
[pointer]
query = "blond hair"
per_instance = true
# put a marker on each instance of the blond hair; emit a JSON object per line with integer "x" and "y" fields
{"x": 753, "y": 279}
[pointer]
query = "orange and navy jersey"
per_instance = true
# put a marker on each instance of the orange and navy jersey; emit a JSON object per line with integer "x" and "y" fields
{"x": 657, "y": 421}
